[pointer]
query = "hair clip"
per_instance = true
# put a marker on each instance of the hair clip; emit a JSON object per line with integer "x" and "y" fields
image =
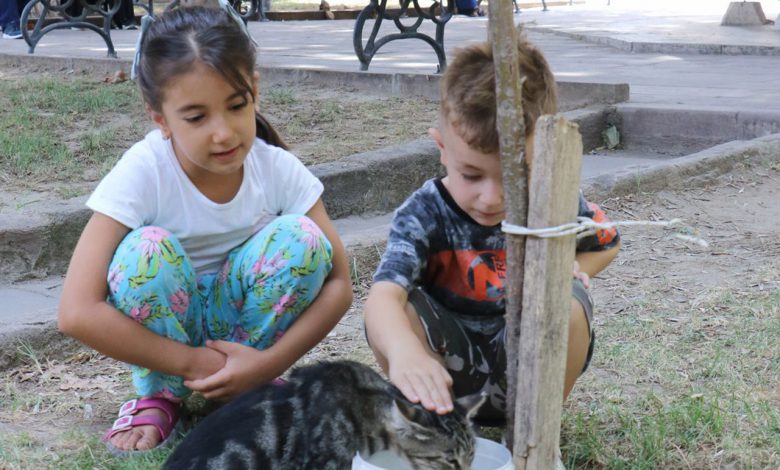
{"x": 234, "y": 14}
{"x": 146, "y": 21}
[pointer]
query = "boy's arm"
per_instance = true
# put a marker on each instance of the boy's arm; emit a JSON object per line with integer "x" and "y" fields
{"x": 402, "y": 350}
{"x": 593, "y": 262}
{"x": 595, "y": 252}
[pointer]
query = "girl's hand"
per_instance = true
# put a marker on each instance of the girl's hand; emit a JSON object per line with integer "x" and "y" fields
{"x": 422, "y": 379}
{"x": 245, "y": 367}
{"x": 205, "y": 362}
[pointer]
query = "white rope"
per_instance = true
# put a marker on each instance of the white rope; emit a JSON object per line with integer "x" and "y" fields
{"x": 585, "y": 226}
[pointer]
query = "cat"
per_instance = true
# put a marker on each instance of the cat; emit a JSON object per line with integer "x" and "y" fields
{"x": 320, "y": 418}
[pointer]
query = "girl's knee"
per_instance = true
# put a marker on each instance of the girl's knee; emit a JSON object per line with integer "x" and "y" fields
{"x": 305, "y": 230}
{"x": 300, "y": 238}
{"x": 149, "y": 260}
{"x": 148, "y": 241}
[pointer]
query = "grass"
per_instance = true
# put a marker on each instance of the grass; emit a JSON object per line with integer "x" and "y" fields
{"x": 70, "y": 130}
{"x": 55, "y": 129}
{"x": 75, "y": 450}
{"x": 696, "y": 392}
{"x": 672, "y": 386}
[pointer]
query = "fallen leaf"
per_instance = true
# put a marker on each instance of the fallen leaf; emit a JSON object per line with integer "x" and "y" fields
{"x": 118, "y": 77}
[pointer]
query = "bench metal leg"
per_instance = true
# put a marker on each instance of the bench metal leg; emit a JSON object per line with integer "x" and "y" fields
{"x": 104, "y": 8}
{"x": 378, "y": 9}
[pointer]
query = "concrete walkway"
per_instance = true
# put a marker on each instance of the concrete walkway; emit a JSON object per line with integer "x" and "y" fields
{"x": 675, "y": 73}
{"x": 691, "y": 62}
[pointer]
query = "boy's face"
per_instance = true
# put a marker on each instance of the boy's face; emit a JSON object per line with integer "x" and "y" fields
{"x": 473, "y": 178}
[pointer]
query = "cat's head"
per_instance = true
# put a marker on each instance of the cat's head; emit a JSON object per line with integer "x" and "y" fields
{"x": 430, "y": 441}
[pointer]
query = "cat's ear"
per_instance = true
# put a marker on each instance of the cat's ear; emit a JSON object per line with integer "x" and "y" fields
{"x": 406, "y": 415}
{"x": 471, "y": 403}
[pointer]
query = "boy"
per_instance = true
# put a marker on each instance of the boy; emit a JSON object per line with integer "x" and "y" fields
{"x": 435, "y": 314}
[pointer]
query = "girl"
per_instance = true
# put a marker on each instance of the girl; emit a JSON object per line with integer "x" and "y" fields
{"x": 198, "y": 266}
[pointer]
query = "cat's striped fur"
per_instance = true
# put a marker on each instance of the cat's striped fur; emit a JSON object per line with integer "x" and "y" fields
{"x": 320, "y": 419}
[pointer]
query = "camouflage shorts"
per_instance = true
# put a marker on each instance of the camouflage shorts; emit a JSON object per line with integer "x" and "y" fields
{"x": 474, "y": 350}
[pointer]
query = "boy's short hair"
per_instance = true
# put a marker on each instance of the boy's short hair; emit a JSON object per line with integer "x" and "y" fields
{"x": 468, "y": 92}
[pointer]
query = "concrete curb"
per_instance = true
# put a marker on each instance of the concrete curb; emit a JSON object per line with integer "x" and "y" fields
{"x": 640, "y": 47}
{"x": 698, "y": 169}
{"x": 572, "y": 95}
{"x": 36, "y": 240}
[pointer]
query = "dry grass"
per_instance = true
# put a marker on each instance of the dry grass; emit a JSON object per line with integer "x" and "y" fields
{"x": 66, "y": 132}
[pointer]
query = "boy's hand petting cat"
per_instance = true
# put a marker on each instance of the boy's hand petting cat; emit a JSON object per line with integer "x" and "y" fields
{"x": 244, "y": 369}
{"x": 422, "y": 379}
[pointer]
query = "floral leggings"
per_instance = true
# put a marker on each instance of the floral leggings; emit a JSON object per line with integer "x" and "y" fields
{"x": 261, "y": 290}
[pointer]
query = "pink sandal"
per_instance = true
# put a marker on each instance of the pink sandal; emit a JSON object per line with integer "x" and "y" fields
{"x": 128, "y": 420}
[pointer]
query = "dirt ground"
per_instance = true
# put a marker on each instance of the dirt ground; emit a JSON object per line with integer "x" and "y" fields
{"x": 738, "y": 216}
{"x": 320, "y": 124}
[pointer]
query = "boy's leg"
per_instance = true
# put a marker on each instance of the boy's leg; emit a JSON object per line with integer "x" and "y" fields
{"x": 152, "y": 281}
{"x": 268, "y": 282}
{"x": 581, "y": 338}
{"x": 470, "y": 348}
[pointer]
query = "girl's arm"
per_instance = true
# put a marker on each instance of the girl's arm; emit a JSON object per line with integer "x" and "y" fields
{"x": 248, "y": 367}
{"x": 85, "y": 315}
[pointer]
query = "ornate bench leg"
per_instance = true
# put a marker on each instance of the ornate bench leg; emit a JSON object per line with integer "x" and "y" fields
{"x": 104, "y": 8}
{"x": 365, "y": 54}
{"x": 376, "y": 8}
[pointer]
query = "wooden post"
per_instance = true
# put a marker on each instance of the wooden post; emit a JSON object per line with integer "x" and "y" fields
{"x": 544, "y": 324}
{"x": 539, "y": 271}
{"x": 511, "y": 134}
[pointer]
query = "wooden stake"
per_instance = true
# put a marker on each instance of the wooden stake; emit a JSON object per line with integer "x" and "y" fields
{"x": 511, "y": 134}
{"x": 546, "y": 308}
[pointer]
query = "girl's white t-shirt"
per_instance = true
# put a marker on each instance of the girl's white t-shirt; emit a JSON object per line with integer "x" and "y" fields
{"x": 148, "y": 187}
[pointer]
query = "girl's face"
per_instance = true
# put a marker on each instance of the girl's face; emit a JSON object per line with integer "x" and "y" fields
{"x": 211, "y": 124}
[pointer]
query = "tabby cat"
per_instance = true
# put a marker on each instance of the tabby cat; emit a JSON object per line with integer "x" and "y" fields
{"x": 320, "y": 418}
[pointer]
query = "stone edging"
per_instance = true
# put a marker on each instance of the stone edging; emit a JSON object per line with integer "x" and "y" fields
{"x": 601, "y": 38}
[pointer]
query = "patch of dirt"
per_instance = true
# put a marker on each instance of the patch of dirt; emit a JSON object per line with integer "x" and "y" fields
{"x": 326, "y": 124}
{"x": 738, "y": 216}
{"x": 320, "y": 124}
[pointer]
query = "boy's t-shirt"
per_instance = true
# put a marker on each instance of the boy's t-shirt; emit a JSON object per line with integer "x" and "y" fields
{"x": 437, "y": 246}
{"x": 148, "y": 187}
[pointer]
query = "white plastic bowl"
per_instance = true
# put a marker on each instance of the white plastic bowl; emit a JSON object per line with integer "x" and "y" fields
{"x": 489, "y": 455}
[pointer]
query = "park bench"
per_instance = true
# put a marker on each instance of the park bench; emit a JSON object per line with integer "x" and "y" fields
{"x": 97, "y": 16}
{"x": 438, "y": 13}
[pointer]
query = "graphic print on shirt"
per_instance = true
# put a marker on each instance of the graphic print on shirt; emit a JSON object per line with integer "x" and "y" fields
{"x": 470, "y": 274}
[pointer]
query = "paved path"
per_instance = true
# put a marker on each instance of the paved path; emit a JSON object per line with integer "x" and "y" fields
{"x": 746, "y": 81}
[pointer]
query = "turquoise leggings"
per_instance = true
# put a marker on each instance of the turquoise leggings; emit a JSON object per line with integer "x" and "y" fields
{"x": 261, "y": 290}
